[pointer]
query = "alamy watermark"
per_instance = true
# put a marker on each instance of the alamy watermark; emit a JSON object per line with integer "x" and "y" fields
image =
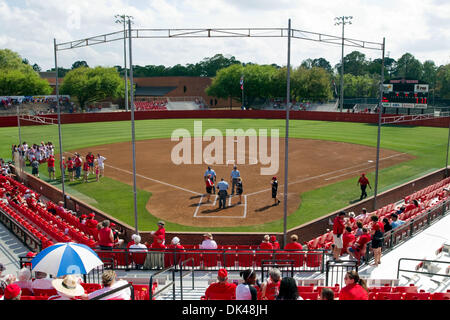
{"x": 213, "y": 153}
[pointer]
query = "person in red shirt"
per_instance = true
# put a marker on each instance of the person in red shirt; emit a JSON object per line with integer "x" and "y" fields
{"x": 209, "y": 187}
{"x": 338, "y": 230}
{"x": 358, "y": 249}
{"x": 85, "y": 171}
{"x": 51, "y": 167}
{"x": 106, "y": 236}
{"x": 355, "y": 287}
{"x": 271, "y": 287}
{"x": 377, "y": 232}
{"x": 293, "y": 245}
{"x": 266, "y": 245}
{"x": 77, "y": 165}
{"x": 363, "y": 182}
{"x": 222, "y": 289}
{"x": 348, "y": 238}
{"x": 160, "y": 232}
{"x": 70, "y": 169}
{"x": 275, "y": 243}
{"x": 90, "y": 160}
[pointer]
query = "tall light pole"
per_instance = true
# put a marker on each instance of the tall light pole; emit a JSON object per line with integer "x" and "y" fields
{"x": 123, "y": 19}
{"x": 342, "y": 21}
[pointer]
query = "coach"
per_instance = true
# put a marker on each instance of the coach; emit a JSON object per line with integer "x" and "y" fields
{"x": 211, "y": 172}
{"x": 223, "y": 193}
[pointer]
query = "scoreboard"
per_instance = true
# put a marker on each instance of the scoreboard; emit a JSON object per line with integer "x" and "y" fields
{"x": 404, "y": 93}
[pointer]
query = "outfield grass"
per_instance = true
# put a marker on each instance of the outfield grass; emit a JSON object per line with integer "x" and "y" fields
{"x": 428, "y": 145}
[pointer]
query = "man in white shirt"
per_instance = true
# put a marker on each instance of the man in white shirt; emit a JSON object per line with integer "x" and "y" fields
{"x": 208, "y": 242}
{"x": 101, "y": 164}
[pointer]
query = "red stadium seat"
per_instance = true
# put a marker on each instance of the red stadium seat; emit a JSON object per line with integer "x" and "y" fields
{"x": 303, "y": 289}
{"x": 411, "y": 289}
{"x": 45, "y": 292}
{"x": 440, "y": 296}
{"x": 417, "y": 296}
{"x": 245, "y": 258}
{"x": 389, "y": 296}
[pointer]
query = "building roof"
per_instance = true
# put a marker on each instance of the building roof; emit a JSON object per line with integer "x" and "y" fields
{"x": 153, "y": 91}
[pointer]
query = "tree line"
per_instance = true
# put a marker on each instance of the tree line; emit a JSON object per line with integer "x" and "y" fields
{"x": 313, "y": 80}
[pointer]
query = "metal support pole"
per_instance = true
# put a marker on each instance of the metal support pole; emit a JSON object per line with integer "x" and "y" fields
{"x": 132, "y": 129}
{"x": 380, "y": 104}
{"x": 286, "y": 139}
{"x": 341, "y": 100}
{"x": 125, "y": 62}
{"x": 446, "y": 156}
{"x": 59, "y": 126}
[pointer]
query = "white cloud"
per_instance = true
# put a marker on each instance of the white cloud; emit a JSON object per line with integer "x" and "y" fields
{"x": 28, "y": 27}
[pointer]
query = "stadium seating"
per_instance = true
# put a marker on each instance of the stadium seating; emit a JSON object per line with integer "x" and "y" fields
{"x": 157, "y": 105}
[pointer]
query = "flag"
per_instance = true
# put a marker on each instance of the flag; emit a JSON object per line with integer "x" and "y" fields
{"x": 242, "y": 83}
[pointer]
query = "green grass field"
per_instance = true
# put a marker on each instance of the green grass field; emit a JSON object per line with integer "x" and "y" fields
{"x": 428, "y": 145}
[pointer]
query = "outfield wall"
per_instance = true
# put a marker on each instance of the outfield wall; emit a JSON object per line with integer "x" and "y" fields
{"x": 305, "y": 232}
{"x": 11, "y": 121}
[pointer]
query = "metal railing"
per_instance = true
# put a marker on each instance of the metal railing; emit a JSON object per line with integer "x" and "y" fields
{"x": 418, "y": 223}
{"x": 24, "y": 235}
{"x": 172, "y": 283}
{"x": 181, "y": 276}
{"x": 335, "y": 272}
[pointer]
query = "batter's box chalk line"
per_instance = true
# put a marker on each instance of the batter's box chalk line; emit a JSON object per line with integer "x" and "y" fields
{"x": 200, "y": 204}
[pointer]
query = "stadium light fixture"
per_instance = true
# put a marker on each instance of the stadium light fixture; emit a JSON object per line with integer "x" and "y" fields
{"x": 342, "y": 21}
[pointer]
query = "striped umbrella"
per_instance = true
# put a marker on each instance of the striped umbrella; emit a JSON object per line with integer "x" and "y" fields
{"x": 66, "y": 258}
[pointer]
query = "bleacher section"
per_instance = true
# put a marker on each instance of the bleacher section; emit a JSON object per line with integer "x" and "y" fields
{"x": 65, "y": 226}
{"x": 156, "y": 105}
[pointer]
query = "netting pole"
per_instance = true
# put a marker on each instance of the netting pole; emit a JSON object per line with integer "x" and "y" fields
{"x": 448, "y": 144}
{"x": 132, "y": 129}
{"x": 380, "y": 107}
{"x": 286, "y": 139}
{"x": 59, "y": 126}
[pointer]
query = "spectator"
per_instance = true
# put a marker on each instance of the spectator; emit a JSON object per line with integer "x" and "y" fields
{"x": 158, "y": 243}
{"x": 363, "y": 214}
{"x": 117, "y": 234}
{"x": 355, "y": 288}
{"x": 41, "y": 282}
{"x": 129, "y": 244}
{"x": 35, "y": 167}
{"x": 275, "y": 243}
{"x": 138, "y": 246}
{"x": 359, "y": 248}
{"x": 377, "y": 230}
{"x": 338, "y": 230}
{"x": 109, "y": 283}
{"x": 348, "y": 238}
{"x": 5, "y": 279}
{"x": 266, "y": 245}
{"x": 24, "y": 279}
{"x": 67, "y": 288}
{"x": 288, "y": 289}
{"x": 247, "y": 290}
{"x": 294, "y": 244}
{"x": 359, "y": 226}
{"x": 12, "y": 292}
{"x": 351, "y": 219}
{"x": 396, "y": 222}
{"x": 106, "y": 236}
{"x": 271, "y": 287}
{"x": 160, "y": 232}
{"x": 208, "y": 242}
{"x": 222, "y": 288}
{"x": 326, "y": 294}
{"x": 387, "y": 225}
{"x": 175, "y": 244}
{"x": 51, "y": 167}
{"x": 101, "y": 164}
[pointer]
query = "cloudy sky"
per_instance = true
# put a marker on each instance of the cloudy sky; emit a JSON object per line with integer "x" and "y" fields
{"x": 28, "y": 27}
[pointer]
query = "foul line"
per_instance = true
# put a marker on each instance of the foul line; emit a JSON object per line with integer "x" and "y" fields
{"x": 326, "y": 174}
{"x": 147, "y": 178}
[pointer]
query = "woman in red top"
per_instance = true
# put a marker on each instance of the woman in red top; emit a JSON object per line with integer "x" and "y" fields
{"x": 106, "y": 236}
{"x": 70, "y": 169}
{"x": 377, "y": 231}
{"x": 271, "y": 288}
{"x": 359, "y": 248}
{"x": 266, "y": 245}
{"x": 85, "y": 171}
{"x": 355, "y": 287}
